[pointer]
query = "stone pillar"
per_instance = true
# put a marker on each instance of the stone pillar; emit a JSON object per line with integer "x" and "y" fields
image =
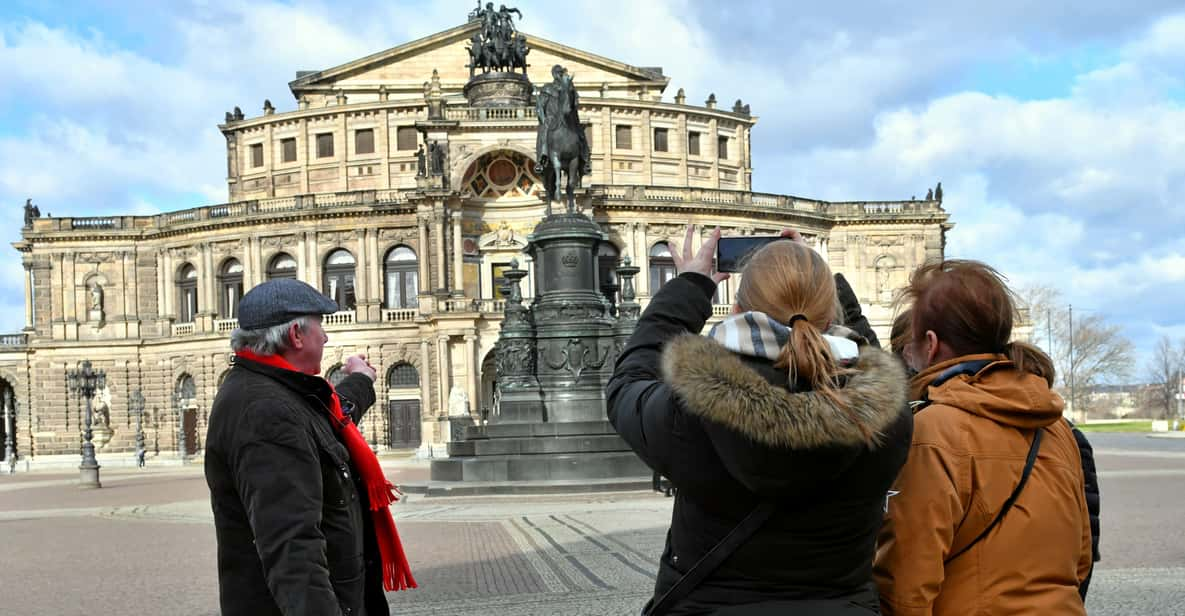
{"x": 169, "y": 295}
{"x": 442, "y": 374}
{"x": 374, "y": 272}
{"x": 713, "y": 152}
{"x": 642, "y": 258}
{"x": 441, "y": 285}
{"x": 430, "y": 426}
{"x": 209, "y": 303}
{"x": 424, "y": 255}
{"x": 458, "y": 255}
{"x": 471, "y": 369}
{"x": 28, "y": 295}
{"x": 362, "y": 299}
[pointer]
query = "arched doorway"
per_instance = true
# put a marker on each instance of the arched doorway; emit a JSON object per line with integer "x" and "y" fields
{"x": 185, "y": 396}
{"x": 403, "y": 406}
{"x": 489, "y": 386}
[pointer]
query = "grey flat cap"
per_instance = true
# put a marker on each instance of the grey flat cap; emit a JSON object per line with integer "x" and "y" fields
{"x": 278, "y": 301}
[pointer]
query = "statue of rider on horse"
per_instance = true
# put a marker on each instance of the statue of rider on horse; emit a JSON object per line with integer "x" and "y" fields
{"x": 560, "y": 144}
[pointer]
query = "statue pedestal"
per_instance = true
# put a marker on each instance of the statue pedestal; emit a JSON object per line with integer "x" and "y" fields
{"x": 498, "y": 90}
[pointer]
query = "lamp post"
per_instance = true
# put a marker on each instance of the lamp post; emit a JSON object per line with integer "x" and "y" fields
{"x": 136, "y": 401}
{"x": 10, "y": 430}
{"x": 85, "y": 381}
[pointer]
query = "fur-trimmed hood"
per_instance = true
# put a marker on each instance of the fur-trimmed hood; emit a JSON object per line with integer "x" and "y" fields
{"x": 715, "y": 384}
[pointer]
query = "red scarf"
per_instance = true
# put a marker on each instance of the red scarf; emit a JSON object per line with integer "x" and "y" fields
{"x": 396, "y": 571}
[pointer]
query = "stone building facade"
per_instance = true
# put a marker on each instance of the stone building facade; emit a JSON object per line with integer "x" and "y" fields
{"x": 411, "y": 246}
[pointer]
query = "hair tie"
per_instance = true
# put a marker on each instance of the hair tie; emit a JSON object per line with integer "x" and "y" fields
{"x": 797, "y": 317}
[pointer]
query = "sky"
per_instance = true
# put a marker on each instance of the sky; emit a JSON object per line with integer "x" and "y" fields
{"x": 1056, "y": 128}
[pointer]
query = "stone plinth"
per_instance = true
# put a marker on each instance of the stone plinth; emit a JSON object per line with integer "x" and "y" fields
{"x": 499, "y": 90}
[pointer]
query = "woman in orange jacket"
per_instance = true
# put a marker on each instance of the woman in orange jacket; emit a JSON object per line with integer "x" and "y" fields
{"x": 989, "y": 515}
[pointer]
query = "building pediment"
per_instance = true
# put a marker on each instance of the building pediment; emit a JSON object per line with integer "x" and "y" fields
{"x": 400, "y": 72}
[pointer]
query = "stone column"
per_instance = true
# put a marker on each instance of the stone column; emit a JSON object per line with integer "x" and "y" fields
{"x": 375, "y": 272}
{"x": 438, "y": 229}
{"x": 210, "y": 301}
{"x": 28, "y": 295}
{"x": 713, "y": 152}
{"x": 425, "y": 381}
{"x": 471, "y": 369}
{"x": 642, "y": 259}
{"x": 458, "y": 255}
{"x": 442, "y": 373}
{"x": 302, "y": 258}
{"x": 423, "y": 256}
{"x": 169, "y": 296}
{"x": 430, "y": 426}
{"x": 362, "y": 299}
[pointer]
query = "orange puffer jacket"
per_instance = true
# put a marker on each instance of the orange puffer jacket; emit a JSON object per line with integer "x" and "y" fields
{"x": 969, "y": 449}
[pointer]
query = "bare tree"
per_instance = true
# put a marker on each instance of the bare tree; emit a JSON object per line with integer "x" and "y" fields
{"x": 1100, "y": 352}
{"x": 1165, "y": 369}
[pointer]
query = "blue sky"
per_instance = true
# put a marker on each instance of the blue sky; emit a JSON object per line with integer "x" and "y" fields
{"x": 1057, "y": 128}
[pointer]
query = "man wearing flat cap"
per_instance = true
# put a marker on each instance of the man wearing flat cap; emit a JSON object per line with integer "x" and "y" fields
{"x": 300, "y": 501}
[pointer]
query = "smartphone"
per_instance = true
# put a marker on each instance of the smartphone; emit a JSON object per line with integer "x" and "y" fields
{"x": 732, "y": 252}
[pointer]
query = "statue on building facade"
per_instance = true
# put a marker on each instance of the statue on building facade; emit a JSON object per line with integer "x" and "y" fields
{"x": 31, "y": 212}
{"x": 938, "y": 192}
{"x": 437, "y": 157}
{"x": 497, "y": 46}
{"x": 560, "y": 144}
{"x": 96, "y": 297}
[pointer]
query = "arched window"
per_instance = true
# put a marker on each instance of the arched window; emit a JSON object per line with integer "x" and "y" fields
{"x": 187, "y": 304}
{"x": 186, "y": 388}
{"x": 339, "y": 278}
{"x": 402, "y": 376}
{"x": 335, "y": 375}
{"x": 401, "y": 274}
{"x": 662, "y": 266}
{"x": 606, "y": 268}
{"x": 281, "y": 266}
{"x": 230, "y": 287}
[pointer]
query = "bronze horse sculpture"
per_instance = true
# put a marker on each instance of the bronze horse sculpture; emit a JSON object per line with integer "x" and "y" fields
{"x": 566, "y": 150}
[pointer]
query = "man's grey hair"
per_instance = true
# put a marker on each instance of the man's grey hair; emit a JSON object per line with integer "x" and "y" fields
{"x": 267, "y": 340}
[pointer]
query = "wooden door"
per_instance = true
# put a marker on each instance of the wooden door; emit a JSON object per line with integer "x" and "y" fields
{"x": 405, "y": 423}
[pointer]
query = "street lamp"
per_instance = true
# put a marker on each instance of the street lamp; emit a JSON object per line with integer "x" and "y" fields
{"x": 85, "y": 381}
{"x": 136, "y": 401}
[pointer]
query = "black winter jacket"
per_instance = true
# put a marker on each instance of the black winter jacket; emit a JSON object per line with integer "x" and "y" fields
{"x": 294, "y": 533}
{"x": 728, "y": 432}
{"x": 1091, "y": 475}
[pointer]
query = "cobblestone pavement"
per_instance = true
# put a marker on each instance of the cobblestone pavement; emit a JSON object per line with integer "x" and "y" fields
{"x": 145, "y": 544}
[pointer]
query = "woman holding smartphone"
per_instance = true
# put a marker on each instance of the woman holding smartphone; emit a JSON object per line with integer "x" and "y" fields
{"x": 782, "y": 441}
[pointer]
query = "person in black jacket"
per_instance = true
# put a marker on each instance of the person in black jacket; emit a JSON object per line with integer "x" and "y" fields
{"x": 765, "y": 409}
{"x": 299, "y": 500}
{"x": 1091, "y": 475}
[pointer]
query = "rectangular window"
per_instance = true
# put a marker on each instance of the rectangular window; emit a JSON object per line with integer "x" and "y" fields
{"x": 693, "y": 143}
{"x": 288, "y": 150}
{"x": 722, "y": 148}
{"x": 324, "y": 145}
{"x": 364, "y": 141}
{"x": 257, "y": 155}
{"x": 625, "y": 138}
{"x": 660, "y": 140}
{"x": 498, "y": 270}
{"x": 406, "y": 138}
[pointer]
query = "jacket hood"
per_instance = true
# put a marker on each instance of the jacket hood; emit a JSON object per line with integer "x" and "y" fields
{"x": 998, "y": 392}
{"x": 715, "y": 384}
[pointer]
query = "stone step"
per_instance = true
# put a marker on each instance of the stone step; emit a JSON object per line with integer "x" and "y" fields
{"x": 555, "y": 486}
{"x": 542, "y": 467}
{"x": 530, "y": 446}
{"x": 518, "y": 430}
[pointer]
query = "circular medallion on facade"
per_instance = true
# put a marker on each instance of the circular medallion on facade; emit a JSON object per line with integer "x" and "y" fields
{"x": 502, "y": 172}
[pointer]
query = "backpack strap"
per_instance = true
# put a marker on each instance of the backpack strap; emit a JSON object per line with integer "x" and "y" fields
{"x": 710, "y": 561}
{"x": 1024, "y": 478}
